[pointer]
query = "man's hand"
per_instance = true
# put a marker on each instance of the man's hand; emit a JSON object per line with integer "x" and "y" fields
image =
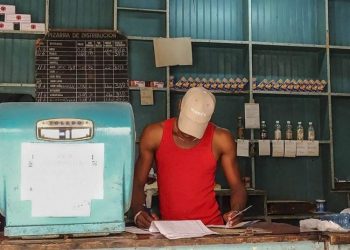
{"x": 231, "y": 218}
{"x": 144, "y": 219}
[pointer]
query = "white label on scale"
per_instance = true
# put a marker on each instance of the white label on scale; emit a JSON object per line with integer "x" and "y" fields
{"x": 61, "y": 179}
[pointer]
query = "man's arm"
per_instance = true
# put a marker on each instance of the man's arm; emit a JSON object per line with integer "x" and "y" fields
{"x": 149, "y": 142}
{"x": 226, "y": 148}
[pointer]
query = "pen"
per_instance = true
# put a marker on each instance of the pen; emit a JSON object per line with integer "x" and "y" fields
{"x": 239, "y": 212}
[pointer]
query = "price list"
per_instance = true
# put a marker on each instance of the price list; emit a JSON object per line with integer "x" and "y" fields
{"x": 82, "y": 67}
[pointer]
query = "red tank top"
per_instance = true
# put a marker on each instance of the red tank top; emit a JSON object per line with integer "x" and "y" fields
{"x": 186, "y": 178}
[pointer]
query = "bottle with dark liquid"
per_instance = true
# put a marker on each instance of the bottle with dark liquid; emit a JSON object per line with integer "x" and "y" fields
{"x": 240, "y": 128}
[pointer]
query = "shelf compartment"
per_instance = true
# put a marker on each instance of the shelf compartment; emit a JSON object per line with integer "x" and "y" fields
{"x": 341, "y": 134}
{"x": 143, "y": 4}
{"x": 81, "y": 14}
{"x": 145, "y": 115}
{"x": 210, "y": 61}
{"x": 294, "y": 108}
{"x": 140, "y": 24}
{"x": 274, "y": 63}
{"x": 287, "y": 21}
{"x": 209, "y": 19}
{"x": 340, "y": 74}
{"x": 213, "y": 41}
{"x": 338, "y": 22}
{"x": 17, "y": 60}
{"x": 142, "y": 64}
{"x": 300, "y": 178}
{"x": 22, "y": 32}
{"x": 216, "y": 92}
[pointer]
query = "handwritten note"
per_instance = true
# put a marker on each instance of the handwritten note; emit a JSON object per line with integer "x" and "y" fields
{"x": 243, "y": 148}
{"x": 252, "y": 115}
{"x": 313, "y": 148}
{"x": 264, "y": 147}
{"x": 290, "y": 148}
{"x": 146, "y": 95}
{"x": 302, "y": 148}
{"x": 277, "y": 148}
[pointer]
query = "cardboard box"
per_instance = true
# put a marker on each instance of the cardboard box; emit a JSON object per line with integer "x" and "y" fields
{"x": 6, "y": 26}
{"x": 7, "y": 9}
{"x": 32, "y": 27}
{"x": 18, "y": 18}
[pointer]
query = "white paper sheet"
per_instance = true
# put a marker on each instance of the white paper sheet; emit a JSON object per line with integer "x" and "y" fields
{"x": 277, "y": 148}
{"x": 252, "y": 115}
{"x": 243, "y": 148}
{"x": 136, "y": 230}
{"x": 180, "y": 229}
{"x": 290, "y": 148}
{"x": 313, "y": 148}
{"x": 264, "y": 147}
{"x": 61, "y": 179}
{"x": 302, "y": 148}
{"x": 172, "y": 51}
{"x": 239, "y": 225}
{"x": 146, "y": 96}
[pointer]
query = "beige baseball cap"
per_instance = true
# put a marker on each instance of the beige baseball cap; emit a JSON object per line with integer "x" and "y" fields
{"x": 197, "y": 107}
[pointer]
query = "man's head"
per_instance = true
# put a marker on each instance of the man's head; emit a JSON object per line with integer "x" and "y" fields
{"x": 197, "y": 107}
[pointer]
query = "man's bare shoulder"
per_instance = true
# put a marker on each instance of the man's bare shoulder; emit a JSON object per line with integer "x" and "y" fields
{"x": 152, "y": 134}
{"x": 223, "y": 138}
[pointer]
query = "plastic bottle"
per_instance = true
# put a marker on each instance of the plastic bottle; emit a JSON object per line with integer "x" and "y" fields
{"x": 278, "y": 134}
{"x": 300, "y": 132}
{"x": 240, "y": 128}
{"x": 263, "y": 130}
{"x": 289, "y": 131}
{"x": 311, "y": 132}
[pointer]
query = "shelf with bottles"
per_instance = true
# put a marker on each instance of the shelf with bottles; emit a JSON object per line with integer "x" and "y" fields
{"x": 340, "y": 75}
{"x": 338, "y": 11}
{"x": 217, "y": 20}
{"x": 289, "y": 21}
{"x": 294, "y": 109}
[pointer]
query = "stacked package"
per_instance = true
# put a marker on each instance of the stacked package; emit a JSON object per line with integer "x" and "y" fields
{"x": 291, "y": 85}
{"x": 9, "y": 18}
{"x": 227, "y": 85}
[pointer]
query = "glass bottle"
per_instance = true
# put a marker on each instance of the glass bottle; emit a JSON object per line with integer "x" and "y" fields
{"x": 289, "y": 131}
{"x": 263, "y": 130}
{"x": 240, "y": 128}
{"x": 300, "y": 132}
{"x": 278, "y": 134}
{"x": 311, "y": 132}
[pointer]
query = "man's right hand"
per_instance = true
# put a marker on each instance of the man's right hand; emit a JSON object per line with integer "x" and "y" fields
{"x": 144, "y": 219}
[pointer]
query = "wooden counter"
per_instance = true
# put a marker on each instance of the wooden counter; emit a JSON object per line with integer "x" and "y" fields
{"x": 278, "y": 233}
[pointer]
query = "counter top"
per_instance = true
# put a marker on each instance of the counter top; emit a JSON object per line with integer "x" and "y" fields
{"x": 277, "y": 232}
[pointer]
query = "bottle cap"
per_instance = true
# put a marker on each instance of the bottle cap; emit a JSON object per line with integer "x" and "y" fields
{"x": 277, "y": 121}
{"x": 288, "y": 122}
{"x": 310, "y": 123}
{"x": 299, "y": 122}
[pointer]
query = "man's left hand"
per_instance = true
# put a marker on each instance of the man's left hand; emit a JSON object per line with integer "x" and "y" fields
{"x": 231, "y": 219}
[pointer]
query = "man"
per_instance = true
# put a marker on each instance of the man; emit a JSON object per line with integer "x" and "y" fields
{"x": 186, "y": 150}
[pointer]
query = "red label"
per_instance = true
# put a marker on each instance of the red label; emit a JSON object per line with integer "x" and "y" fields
{"x": 33, "y": 26}
{"x": 18, "y": 17}
{"x": 3, "y": 8}
{"x": 1, "y": 25}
